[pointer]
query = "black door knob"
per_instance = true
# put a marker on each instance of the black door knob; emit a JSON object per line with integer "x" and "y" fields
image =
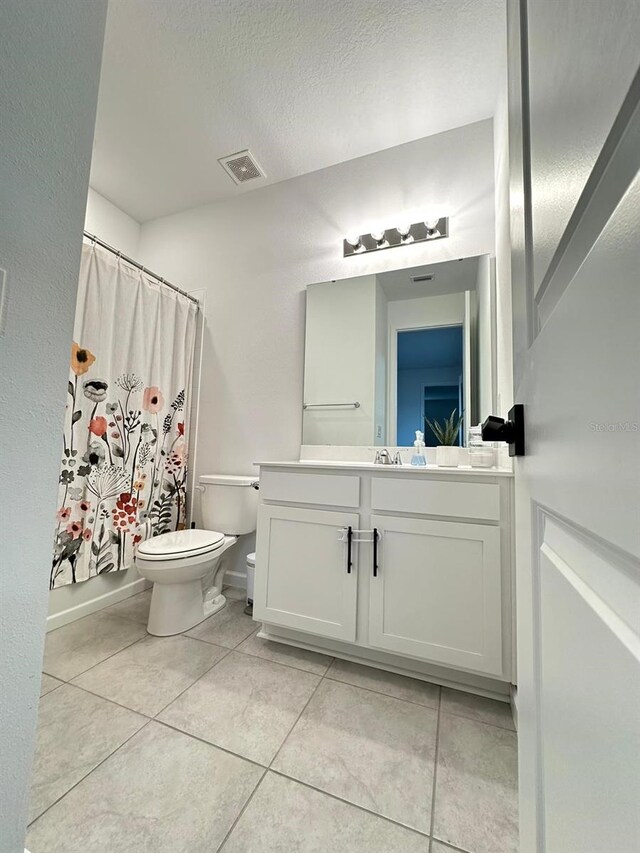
{"x": 510, "y": 431}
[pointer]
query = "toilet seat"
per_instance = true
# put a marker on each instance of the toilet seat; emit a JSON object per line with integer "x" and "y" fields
{"x": 180, "y": 545}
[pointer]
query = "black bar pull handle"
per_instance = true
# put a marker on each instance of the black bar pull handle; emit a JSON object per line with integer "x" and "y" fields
{"x": 349, "y": 545}
{"x": 375, "y": 552}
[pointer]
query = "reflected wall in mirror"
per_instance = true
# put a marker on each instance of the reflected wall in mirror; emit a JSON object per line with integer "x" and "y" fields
{"x": 387, "y": 352}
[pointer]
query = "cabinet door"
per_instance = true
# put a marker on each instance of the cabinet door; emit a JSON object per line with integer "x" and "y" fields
{"x": 301, "y": 578}
{"x": 438, "y": 593}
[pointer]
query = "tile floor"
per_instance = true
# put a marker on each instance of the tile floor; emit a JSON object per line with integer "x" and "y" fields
{"x": 220, "y": 741}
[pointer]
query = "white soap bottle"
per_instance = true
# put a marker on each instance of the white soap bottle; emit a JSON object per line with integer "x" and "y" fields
{"x": 418, "y": 456}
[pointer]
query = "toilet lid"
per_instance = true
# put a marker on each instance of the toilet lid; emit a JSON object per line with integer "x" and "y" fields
{"x": 181, "y": 543}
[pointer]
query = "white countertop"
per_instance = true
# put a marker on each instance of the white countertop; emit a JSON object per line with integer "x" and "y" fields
{"x": 463, "y": 470}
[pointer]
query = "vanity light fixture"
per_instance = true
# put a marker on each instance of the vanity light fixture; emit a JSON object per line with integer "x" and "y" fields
{"x": 380, "y": 238}
{"x": 432, "y": 228}
{"x": 401, "y": 235}
{"x": 355, "y": 243}
{"x": 405, "y": 234}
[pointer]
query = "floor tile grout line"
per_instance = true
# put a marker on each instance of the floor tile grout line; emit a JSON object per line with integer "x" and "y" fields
{"x": 347, "y": 802}
{"x": 64, "y": 681}
{"x": 281, "y": 663}
{"x": 135, "y": 710}
{"x": 93, "y": 770}
{"x": 108, "y": 657}
{"x": 451, "y": 847}
{"x": 206, "y": 642}
{"x": 436, "y": 753}
{"x": 209, "y": 743}
{"x": 147, "y": 717}
{"x": 480, "y": 722}
{"x": 388, "y": 695}
{"x": 53, "y": 689}
{"x": 297, "y": 720}
{"x": 193, "y": 683}
{"x": 241, "y": 812}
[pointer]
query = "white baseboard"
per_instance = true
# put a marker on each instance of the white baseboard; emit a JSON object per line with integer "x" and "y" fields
{"x": 71, "y": 614}
{"x": 235, "y": 579}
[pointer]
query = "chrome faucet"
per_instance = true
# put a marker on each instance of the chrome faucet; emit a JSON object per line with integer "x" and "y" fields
{"x": 383, "y": 457}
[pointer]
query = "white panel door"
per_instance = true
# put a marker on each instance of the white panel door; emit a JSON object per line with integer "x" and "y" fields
{"x": 574, "y": 139}
{"x": 437, "y": 593}
{"x": 302, "y": 579}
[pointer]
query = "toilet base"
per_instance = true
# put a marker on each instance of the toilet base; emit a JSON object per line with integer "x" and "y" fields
{"x": 178, "y": 607}
{"x": 212, "y": 606}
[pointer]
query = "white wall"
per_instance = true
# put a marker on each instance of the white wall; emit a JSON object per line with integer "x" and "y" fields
{"x": 49, "y": 73}
{"x": 112, "y": 225}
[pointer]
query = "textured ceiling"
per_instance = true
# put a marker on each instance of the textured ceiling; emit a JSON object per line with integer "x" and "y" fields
{"x": 303, "y": 84}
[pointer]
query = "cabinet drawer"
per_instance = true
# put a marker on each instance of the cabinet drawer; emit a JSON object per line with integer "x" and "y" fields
{"x": 326, "y": 489}
{"x": 434, "y": 497}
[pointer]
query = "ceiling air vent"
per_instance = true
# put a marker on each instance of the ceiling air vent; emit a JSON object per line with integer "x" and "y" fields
{"x": 241, "y": 167}
{"x": 416, "y": 279}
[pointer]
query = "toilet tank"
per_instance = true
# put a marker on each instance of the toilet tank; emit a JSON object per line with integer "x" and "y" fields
{"x": 229, "y": 503}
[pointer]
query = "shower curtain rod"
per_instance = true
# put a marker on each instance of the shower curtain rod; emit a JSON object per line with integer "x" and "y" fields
{"x": 135, "y": 264}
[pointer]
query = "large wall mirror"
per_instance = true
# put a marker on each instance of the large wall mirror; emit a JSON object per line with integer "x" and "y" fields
{"x": 385, "y": 353}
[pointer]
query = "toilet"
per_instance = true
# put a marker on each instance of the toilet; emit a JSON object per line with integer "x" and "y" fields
{"x": 187, "y": 566}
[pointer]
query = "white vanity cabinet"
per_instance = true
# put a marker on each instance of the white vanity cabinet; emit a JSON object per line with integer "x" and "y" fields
{"x": 434, "y": 594}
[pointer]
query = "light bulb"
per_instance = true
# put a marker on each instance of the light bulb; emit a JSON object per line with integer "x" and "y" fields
{"x": 380, "y": 238}
{"x": 405, "y": 233}
{"x": 432, "y": 225}
{"x": 355, "y": 242}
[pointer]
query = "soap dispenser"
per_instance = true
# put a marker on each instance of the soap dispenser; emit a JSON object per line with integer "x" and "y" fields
{"x": 418, "y": 456}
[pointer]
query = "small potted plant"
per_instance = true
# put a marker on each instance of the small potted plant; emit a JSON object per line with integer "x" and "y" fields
{"x": 446, "y": 434}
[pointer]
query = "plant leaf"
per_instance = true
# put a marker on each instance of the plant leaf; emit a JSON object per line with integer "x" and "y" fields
{"x": 446, "y": 434}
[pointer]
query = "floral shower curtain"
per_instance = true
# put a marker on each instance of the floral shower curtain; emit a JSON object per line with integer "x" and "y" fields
{"x": 124, "y": 456}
